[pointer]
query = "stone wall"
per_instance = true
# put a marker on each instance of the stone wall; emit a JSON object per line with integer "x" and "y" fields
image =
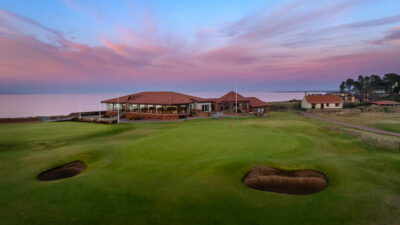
{"x": 326, "y": 110}
{"x": 200, "y": 113}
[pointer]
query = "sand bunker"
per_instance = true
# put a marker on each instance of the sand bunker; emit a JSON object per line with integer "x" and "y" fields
{"x": 297, "y": 182}
{"x": 67, "y": 170}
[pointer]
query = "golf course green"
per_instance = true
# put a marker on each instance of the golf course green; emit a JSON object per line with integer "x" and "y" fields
{"x": 191, "y": 173}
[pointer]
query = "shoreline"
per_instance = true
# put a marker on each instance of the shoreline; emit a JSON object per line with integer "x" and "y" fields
{"x": 39, "y": 119}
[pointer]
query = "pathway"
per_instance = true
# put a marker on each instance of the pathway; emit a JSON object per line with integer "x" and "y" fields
{"x": 360, "y": 127}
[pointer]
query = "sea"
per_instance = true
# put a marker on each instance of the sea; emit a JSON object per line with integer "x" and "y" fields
{"x": 30, "y": 105}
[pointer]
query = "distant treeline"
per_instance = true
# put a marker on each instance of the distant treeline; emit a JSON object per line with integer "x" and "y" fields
{"x": 373, "y": 87}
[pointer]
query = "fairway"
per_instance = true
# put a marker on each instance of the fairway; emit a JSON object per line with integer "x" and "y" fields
{"x": 191, "y": 173}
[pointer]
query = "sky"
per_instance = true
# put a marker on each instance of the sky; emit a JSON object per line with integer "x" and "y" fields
{"x": 94, "y": 46}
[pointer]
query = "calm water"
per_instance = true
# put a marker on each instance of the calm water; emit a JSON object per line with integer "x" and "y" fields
{"x": 25, "y": 105}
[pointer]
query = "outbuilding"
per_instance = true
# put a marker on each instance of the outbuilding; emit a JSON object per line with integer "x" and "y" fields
{"x": 321, "y": 102}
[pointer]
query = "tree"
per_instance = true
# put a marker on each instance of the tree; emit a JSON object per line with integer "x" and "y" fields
{"x": 376, "y": 86}
{"x": 360, "y": 85}
{"x": 349, "y": 84}
{"x": 371, "y": 87}
{"x": 376, "y": 83}
{"x": 392, "y": 83}
{"x": 342, "y": 86}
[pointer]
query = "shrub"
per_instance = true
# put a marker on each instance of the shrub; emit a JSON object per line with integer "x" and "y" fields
{"x": 297, "y": 106}
{"x": 136, "y": 117}
{"x": 349, "y": 105}
{"x": 355, "y": 104}
{"x": 278, "y": 107}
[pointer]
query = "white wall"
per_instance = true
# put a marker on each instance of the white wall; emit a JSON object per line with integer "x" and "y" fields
{"x": 198, "y": 105}
{"x": 333, "y": 106}
{"x": 306, "y": 105}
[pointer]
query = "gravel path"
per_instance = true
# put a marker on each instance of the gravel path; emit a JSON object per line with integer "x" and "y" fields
{"x": 360, "y": 127}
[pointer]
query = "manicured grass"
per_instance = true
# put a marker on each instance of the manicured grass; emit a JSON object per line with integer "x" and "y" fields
{"x": 385, "y": 121}
{"x": 190, "y": 173}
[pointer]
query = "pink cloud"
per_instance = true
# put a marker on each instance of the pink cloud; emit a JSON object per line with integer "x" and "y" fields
{"x": 250, "y": 50}
{"x": 392, "y": 36}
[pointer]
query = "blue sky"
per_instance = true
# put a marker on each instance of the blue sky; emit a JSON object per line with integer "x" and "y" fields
{"x": 86, "y": 20}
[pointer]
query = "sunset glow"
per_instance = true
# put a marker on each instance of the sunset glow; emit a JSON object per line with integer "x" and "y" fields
{"x": 96, "y": 46}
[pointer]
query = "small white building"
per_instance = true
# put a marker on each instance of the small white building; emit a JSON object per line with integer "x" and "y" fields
{"x": 321, "y": 102}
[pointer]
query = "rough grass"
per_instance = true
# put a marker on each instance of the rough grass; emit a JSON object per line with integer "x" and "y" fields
{"x": 385, "y": 121}
{"x": 374, "y": 139}
{"x": 191, "y": 173}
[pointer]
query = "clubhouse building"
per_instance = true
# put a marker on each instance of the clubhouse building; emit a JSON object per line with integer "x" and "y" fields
{"x": 167, "y": 105}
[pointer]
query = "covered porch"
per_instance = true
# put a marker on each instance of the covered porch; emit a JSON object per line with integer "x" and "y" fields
{"x": 231, "y": 106}
{"x": 149, "y": 108}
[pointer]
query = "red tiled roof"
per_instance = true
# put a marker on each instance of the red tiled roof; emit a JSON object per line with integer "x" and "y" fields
{"x": 212, "y": 100}
{"x": 206, "y": 99}
{"x": 173, "y": 98}
{"x": 156, "y": 97}
{"x": 231, "y": 97}
{"x": 256, "y": 103}
{"x": 122, "y": 99}
{"x": 386, "y": 102}
{"x": 323, "y": 99}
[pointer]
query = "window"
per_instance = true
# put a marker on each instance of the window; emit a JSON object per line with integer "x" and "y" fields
{"x": 313, "y": 105}
{"x": 327, "y": 104}
{"x": 205, "y": 108}
{"x": 337, "y": 104}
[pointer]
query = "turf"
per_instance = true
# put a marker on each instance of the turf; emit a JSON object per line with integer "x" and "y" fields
{"x": 385, "y": 121}
{"x": 191, "y": 173}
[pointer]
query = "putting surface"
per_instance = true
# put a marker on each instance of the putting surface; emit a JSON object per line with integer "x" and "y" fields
{"x": 191, "y": 173}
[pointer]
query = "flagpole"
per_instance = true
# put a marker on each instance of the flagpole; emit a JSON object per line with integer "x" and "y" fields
{"x": 236, "y": 97}
{"x": 99, "y": 106}
{"x": 80, "y": 116}
{"x": 118, "y": 108}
